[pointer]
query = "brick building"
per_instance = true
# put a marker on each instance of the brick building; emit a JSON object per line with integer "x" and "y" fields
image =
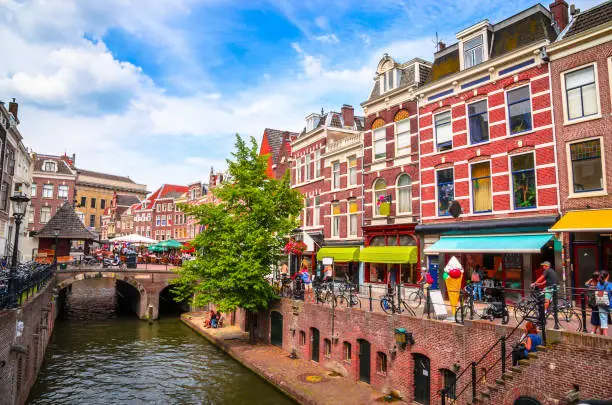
{"x": 277, "y": 144}
{"x": 327, "y": 159}
{"x": 581, "y": 71}
{"x": 118, "y": 218}
{"x": 391, "y": 171}
{"x": 487, "y": 151}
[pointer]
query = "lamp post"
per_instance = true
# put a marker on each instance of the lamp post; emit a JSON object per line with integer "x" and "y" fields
{"x": 20, "y": 204}
{"x": 56, "y": 232}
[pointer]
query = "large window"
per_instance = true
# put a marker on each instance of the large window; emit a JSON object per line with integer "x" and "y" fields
{"x": 391, "y": 79}
{"x": 519, "y": 110}
{"x": 352, "y": 209}
{"x": 335, "y": 219}
{"x": 523, "y": 181}
{"x": 404, "y": 194}
{"x": 92, "y": 202}
{"x": 479, "y": 122}
{"x": 33, "y": 190}
{"x": 317, "y": 163}
{"x": 352, "y": 171}
{"x": 48, "y": 191}
{"x": 298, "y": 170}
{"x": 446, "y": 190}
{"x": 49, "y": 166}
{"x": 163, "y": 220}
{"x": 62, "y": 192}
{"x": 472, "y": 52}
{"x": 444, "y": 131}
{"x": 316, "y": 211}
{"x": 380, "y": 143}
{"x": 587, "y": 170}
{"x": 92, "y": 221}
{"x": 308, "y": 169}
{"x": 581, "y": 93}
{"x": 336, "y": 174}
{"x": 481, "y": 187}
{"x": 45, "y": 215}
{"x": 402, "y": 133}
{"x": 307, "y": 219}
{"x": 380, "y": 189}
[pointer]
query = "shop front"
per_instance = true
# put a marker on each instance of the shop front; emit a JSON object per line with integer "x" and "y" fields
{"x": 343, "y": 259}
{"x": 587, "y": 236}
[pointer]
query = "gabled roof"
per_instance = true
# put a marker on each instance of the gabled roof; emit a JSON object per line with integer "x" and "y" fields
{"x": 333, "y": 119}
{"x": 105, "y": 176}
{"x": 163, "y": 191}
{"x": 408, "y": 75}
{"x": 62, "y": 165}
{"x": 69, "y": 224}
{"x": 590, "y": 18}
{"x": 126, "y": 200}
{"x": 276, "y": 137}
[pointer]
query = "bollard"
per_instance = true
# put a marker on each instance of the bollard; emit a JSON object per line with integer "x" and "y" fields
{"x": 427, "y": 303}
{"x": 370, "y": 290}
{"x": 542, "y": 316}
{"x": 555, "y": 307}
{"x": 503, "y": 354}
{"x": 583, "y": 303}
{"x": 350, "y": 296}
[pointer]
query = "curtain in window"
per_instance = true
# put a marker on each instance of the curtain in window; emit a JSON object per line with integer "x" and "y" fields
{"x": 404, "y": 191}
{"x": 444, "y": 132}
{"x": 402, "y": 133}
{"x": 481, "y": 187}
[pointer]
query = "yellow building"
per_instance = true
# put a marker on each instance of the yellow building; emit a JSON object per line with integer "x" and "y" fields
{"x": 95, "y": 192}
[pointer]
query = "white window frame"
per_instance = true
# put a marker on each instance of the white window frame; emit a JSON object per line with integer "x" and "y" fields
{"x": 316, "y": 210}
{"x": 350, "y": 217}
{"x": 48, "y": 216}
{"x": 570, "y": 171}
{"x": 335, "y": 221}
{"x": 437, "y": 194}
{"x": 381, "y": 139}
{"x": 351, "y": 170}
{"x": 374, "y": 198}
{"x": 511, "y": 182}
{"x": 399, "y": 188}
{"x": 507, "y": 107}
{"x": 163, "y": 220}
{"x": 482, "y": 49}
{"x": 49, "y": 166}
{"x": 436, "y": 130}
{"x": 317, "y": 163}
{"x": 566, "y": 120}
{"x": 405, "y": 151}
{"x": 336, "y": 177}
{"x": 471, "y": 190}
{"x": 308, "y": 170}
{"x": 469, "y": 129}
{"x": 157, "y": 220}
{"x": 59, "y": 191}
{"x": 33, "y": 190}
{"x": 306, "y": 203}
{"x": 48, "y": 186}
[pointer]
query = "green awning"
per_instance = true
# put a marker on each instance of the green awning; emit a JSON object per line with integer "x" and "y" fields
{"x": 389, "y": 254}
{"x": 490, "y": 244}
{"x": 339, "y": 254}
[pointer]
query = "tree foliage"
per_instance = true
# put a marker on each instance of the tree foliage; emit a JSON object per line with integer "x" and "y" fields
{"x": 244, "y": 235}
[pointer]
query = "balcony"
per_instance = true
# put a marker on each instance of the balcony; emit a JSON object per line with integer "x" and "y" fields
{"x": 344, "y": 143}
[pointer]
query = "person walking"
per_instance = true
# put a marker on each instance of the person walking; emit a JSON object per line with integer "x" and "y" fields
{"x": 591, "y": 284}
{"x": 477, "y": 283}
{"x": 603, "y": 299}
{"x": 547, "y": 281}
{"x": 306, "y": 280}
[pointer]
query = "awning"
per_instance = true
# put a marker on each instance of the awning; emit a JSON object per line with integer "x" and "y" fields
{"x": 339, "y": 254}
{"x": 584, "y": 221}
{"x": 490, "y": 244}
{"x": 389, "y": 254}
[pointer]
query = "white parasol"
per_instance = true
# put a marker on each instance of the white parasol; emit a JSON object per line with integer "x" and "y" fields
{"x": 134, "y": 238}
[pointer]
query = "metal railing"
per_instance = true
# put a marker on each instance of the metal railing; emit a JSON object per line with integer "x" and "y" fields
{"x": 29, "y": 279}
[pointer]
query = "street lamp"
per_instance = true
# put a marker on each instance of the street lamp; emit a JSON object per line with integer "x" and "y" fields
{"x": 20, "y": 204}
{"x": 56, "y": 232}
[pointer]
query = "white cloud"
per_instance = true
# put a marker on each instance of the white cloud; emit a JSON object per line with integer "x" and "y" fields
{"x": 328, "y": 39}
{"x": 322, "y": 22}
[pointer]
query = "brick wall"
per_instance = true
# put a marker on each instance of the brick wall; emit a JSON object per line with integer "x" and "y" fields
{"x": 21, "y": 357}
{"x": 54, "y": 203}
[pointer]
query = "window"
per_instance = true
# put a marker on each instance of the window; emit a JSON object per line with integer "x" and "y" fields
{"x": 4, "y": 196}
{"x": 479, "y": 122}
{"x": 302, "y": 338}
{"x": 336, "y": 174}
{"x": 102, "y": 204}
{"x": 30, "y": 215}
{"x": 81, "y": 216}
{"x": 446, "y": 190}
{"x": 450, "y": 383}
{"x": 317, "y": 163}
{"x": 380, "y": 189}
{"x": 316, "y": 211}
{"x": 33, "y": 190}
{"x": 49, "y": 166}
{"x": 519, "y": 110}
{"x": 472, "y": 52}
{"x": 523, "y": 181}
{"x": 481, "y": 187}
{"x": 404, "y": 194}
{"x": 381, "y": 363}
{"x": 163, "y": 220}
{"x": 48, "y": 191}
{"x": 83, "y": 201}
{"x": 380, "y": 143}
{"x": 45, "y": 215}
{"x": 348, "y": 353}
{"x": 327, "y": 347}
{"x": 444, "y": 131}
{"x": 587, "y": 168}
{"x": 62, "y": 192}
{"x": 308, "y": 169}
{"x": 335, "y": 219}
{"x": 163, "y": 207}
{"x": 157, "y": 220}
{"x": 92, "y": 221}
{"x": 402, "y": 133}
{"x": 352, "y": 209}
{"x": 92, "y": 202}
{"x": 352, "y": 171}
{"x": 581, "y": 93}
{"x": 306, "y": 208}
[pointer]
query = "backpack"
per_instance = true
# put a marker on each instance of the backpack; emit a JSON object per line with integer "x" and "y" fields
{"x": 591, "y": 300}
{"x": 429, "y": 279}
{"x": 475, "y": 277}
{"x": 602, "y": 298}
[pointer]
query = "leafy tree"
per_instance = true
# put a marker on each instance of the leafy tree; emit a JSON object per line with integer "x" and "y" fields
{"x": 244, "y": 235}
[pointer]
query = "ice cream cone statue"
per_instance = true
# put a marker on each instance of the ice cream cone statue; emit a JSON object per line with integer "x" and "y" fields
{"x": 453, "y": 276}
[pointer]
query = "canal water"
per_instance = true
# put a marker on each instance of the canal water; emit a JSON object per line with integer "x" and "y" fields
{"x": 103, "y": 356}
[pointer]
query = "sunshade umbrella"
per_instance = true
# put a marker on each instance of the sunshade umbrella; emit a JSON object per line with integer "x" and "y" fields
{"x": 157, "y": 248}
{"x": 134, "y": 238}
{"x": 170, "y": 244}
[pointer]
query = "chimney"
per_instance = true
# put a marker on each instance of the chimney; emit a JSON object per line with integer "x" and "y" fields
{"x": 348, "y": 115}
{"x": 558, "y": 9}
{"x": 441, "y": 46}
{"x": 74, "y": 159}
{"x": 13, "y": 108}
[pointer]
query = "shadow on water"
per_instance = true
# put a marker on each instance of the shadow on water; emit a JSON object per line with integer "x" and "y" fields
{"x": 101, "y": 353}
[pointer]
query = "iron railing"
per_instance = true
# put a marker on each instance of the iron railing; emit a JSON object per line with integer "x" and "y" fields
{"x": 29, "y": 279}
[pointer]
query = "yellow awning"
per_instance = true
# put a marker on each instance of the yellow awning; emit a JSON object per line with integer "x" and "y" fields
{"x": 339, "y": 254}
{"x": 584, "y": 221}
{"x": 389, "y": 254}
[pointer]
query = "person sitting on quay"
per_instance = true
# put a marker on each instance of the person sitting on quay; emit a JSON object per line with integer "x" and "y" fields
{"x": 208, "y": 322}
{"x": 527, "y": 344}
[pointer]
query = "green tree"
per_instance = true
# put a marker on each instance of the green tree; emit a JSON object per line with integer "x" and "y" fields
{"x": 244, "y": 236}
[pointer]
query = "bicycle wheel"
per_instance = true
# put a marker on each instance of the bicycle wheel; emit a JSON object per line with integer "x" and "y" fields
{"x": 356, "y": 302}
{"x": 404, "y": 308}
{"x": 386, "y": 306}
{"x": 569, "y": 319}
{"x": 341, "y": 300}
{"x": 414, "y": 299}
{"x": 522, "y": 308}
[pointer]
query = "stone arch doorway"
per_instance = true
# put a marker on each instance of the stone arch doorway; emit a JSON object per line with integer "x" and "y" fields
{"x": 526, "y": 401}
{"x": 364, "y": 360}
{"x": 421, "y": 381}
{"x": 276, "y": 329}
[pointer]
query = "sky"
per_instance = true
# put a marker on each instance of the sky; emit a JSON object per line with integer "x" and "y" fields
{"x": 157, "y": 89}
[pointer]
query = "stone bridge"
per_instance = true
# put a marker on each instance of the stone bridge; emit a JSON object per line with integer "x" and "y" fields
{"x": 148, "y": 283}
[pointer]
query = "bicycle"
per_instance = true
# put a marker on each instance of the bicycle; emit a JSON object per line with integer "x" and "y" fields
{"x": 416, "y": 297}
{"x": 565, "y": 311}
{"x": 388, "y": 305}
{"x": 349, "y": 296}
{"x": 323, "y": 293}
{"x": 496, "y": 308}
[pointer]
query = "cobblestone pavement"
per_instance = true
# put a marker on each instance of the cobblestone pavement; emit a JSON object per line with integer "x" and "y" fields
{"x": 306, "y": 381}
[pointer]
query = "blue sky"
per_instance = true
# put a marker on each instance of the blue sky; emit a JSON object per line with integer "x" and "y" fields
{"x": 157, "y": 89}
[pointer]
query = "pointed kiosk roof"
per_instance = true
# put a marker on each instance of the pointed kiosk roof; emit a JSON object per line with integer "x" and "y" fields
{"x": 69, "y": 224}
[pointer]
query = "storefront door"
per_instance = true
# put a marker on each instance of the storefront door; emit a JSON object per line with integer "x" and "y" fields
{"x": 586, "y": 261}
{"x": 433, "y": 270}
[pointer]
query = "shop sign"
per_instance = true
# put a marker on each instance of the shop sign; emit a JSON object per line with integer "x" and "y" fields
{"x": 384, "y": 205}
{"x": 328, "y": 260}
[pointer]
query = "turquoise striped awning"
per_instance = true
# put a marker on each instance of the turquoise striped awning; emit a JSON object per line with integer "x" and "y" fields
{"x": 490, "y": 244}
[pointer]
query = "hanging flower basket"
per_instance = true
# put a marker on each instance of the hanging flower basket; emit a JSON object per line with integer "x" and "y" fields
{"x": 296, "y": 248}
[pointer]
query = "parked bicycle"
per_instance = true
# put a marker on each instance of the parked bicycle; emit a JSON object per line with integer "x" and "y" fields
{"x": 568, "y": 317}
{"x": 416, "y": 297}
{"x": 390, "y": 305}
{"x": 495, "y": 309}
{"x": 349, "y": 296}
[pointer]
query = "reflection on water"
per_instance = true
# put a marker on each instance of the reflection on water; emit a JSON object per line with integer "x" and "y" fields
{"x": 121, "y": 360}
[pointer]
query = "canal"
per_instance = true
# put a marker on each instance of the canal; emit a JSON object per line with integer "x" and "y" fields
{"x": 99, "y": 356}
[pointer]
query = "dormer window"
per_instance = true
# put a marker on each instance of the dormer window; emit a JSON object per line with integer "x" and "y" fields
{"x": 390, "y": 79}
{"x": 311, "y": 122}
{"x": 473, "y": 52}
{"x": 49, "y": 166}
